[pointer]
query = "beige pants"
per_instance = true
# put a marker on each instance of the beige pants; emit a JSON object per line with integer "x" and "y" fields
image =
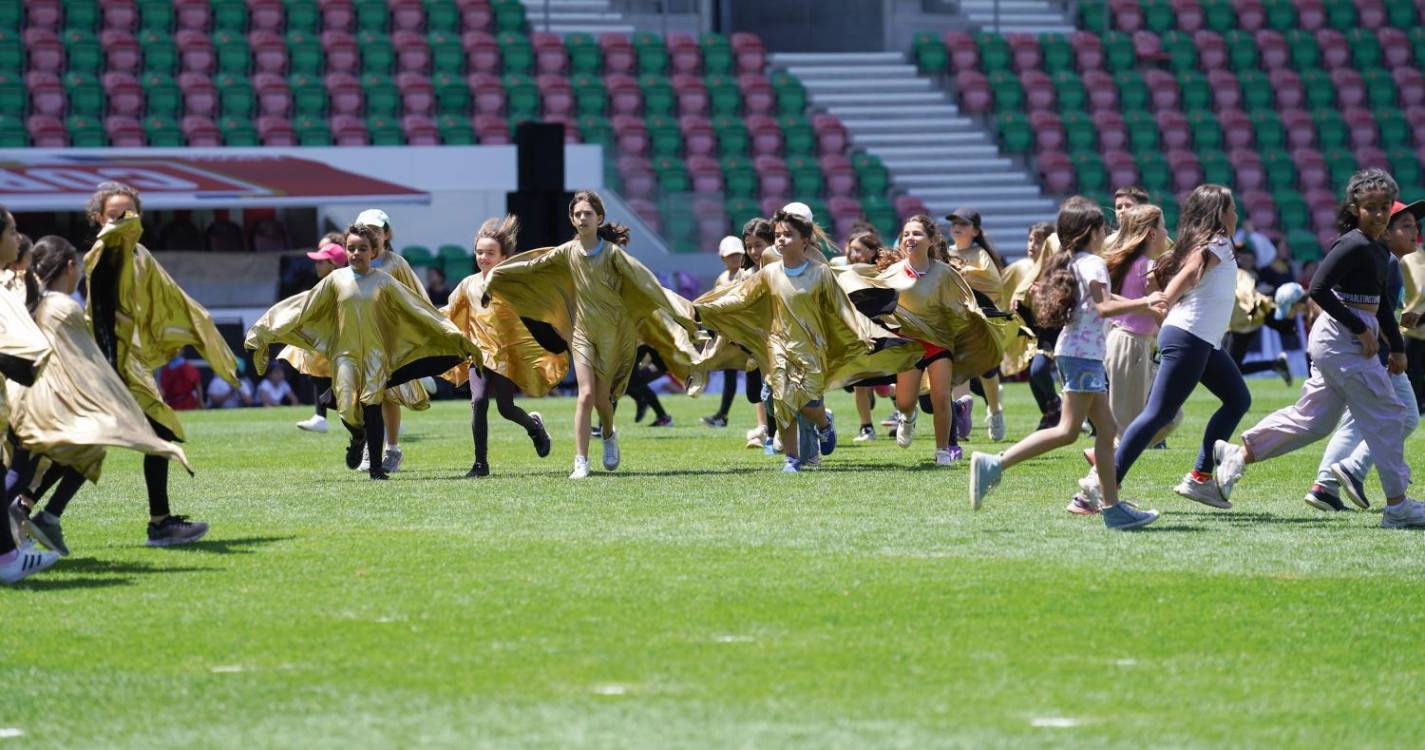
{"x": 1131, "y": 370}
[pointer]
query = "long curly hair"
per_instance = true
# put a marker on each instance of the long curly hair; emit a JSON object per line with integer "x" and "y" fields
{"x": 1198, "y": 226}
{"x": 1130, "y": 242}
{"x": 1058, "y": 289}
{"x": 1362, "y": 182}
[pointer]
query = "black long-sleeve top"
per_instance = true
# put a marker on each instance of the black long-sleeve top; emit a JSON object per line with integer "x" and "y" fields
{"x": 1355, "y": 271}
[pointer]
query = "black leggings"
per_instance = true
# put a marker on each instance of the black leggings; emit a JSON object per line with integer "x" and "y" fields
{"x": 320, "y": 385}
{"x": 1041, "y": 383}
{"x": 155, "y": 474}
{"x": 752, "y": 386}
{"x": 1415, "y": 369}
{"x": 373, "y": 431}
{"x": 69, "y": 481}
{"x": 1238, "y": 344}
{"x": 638, "y": 388}
{"x": 503, "y": 391}
{"x": 729, "y": 392}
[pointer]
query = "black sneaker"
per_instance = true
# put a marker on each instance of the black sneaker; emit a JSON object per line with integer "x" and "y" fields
{"x": 379, "y": 474}
{"x": 45, "y": 528}
{"x": 1322, "y": 500}
{"x": 540, "y": 436}
{"x": 596, "y": 431}
{"x": 640, "y": 411}
{"x": 716, "y": 420}
{"x": 663, "y": 421}
{"x": 1351, "y": 486}
{"x": 478, "y": 470}
{"x": 175, "y": 530}
{"x": 1161, "y": 445}
{"x": 353, "y": 452}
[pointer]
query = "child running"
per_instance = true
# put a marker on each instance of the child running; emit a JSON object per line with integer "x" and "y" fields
{"x": 512, "y": 357}
{"x": 1074, "y": 292}
{"x": 1019, "y": 279}
{"x": 975, "y": 257}
{"x": 732, "y": 254}
{"x": 329, "y": 256}
{"x": 1349, "y": 286}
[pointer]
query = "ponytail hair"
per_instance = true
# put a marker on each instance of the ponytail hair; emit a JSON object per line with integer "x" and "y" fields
{"x": 809, "y": 231}
{"x": 503, "y": 231}
{"x": 983, "y": 240}
{"x": 1058, "y": 288}
{"x": 1198, "y": 226}
{"x": 53, "y": 254}
{"x": 608, "y": 232}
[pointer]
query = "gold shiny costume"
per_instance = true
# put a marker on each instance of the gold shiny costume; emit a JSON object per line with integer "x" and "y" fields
{"x": 938, "y": 307}
{"x": 1412, "y": 269}
{"x": 804, "y": 334}
{"x": 368, "y": 327}
{"x": 1252, "y": 306}
{"x": 1019, "y": 277}
{"x": 152, "y": 319}
{"x": 506, "y": 345}
{"x": 979, "y": 270}
{"x": 601, "y": 305}
{"x": 24, "y": 349}
{"x": 78, "y": 405}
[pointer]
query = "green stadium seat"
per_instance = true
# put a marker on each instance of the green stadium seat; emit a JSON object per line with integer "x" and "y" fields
{"x": 1181, "y": 51}
{"x": 1092, "y": 15}
{"x": 1402, "y": 16}
{"x": 1008, "y": 92}
{"x": 85, "y": 132}
{"x": 156, "y": 15}
{"x": 881, "y": 213}
{"x": 235, "y": 95}
{"x": 1158, "y": 16}
{"x": 1142, "y": 132}
{"x": 377, "y": 53}
{"x": 807, "y": 179}
{"x": 305, "y": 55}
{"x": 1216, "y": 168}
{"x": 1380, "y": 87}
{"x": 419, "y": 256}
{"x": 161, "y": 95}
{"x": 1015, "y": 134}
{"x": 1058, "y": 53}
{"x": 798, "y": 138}
{"x": 1303, "y": 245}
{"x": 717, "y": 54}
{"x": 163, "y": 130}
{"x": 1169, "y": 204}
{"x": 1079, "y": 131}
{"x": 1267, "y": 129}
{"x": 1069, "y": 91}
{"x": 1394, "y": 129}
{"x": 85, "y": 95}
{"x": 791, "y": 94}
{"x": 1194, "y": 91}
{"x": 233, "y": 54}
{"x": 452, "y": 95}
{"x": 738, "y": 178}
{"x": 1280, "y": 169}
{"x": 1089, "y": 171}
{"x": 1341, "y": 14}
{"x": 1133, "y": 91}
{"x": 521, "y": 96}
{"x": 238, "y": 131}
{"x": 930, "y": 54}
{"x": 1305, "y": 52}
{"x": 1118, "y": 52}
{"x": 1241, "y": 50}
{"x": 1341, "y": 163}
{"x": 312, "y": 131}
{"x": 12, "y": 53}
{"x": 509, "y": 15}
{"x": 82, "y": 52}
{"x": 385, "y": 130}
{"x": 382, "y": 96}
{"x": 443, "y": 16}
{"x": 1219, "y": 15}
{"x": 871, "y": 175}
{"x": 372, "y": 16}
{"x": 309, "y": 98}
{"x": 652, "y": 53}
{"x": 739, "y": 212}
{"x": 14, "y": 97}
{"x": 1257, "y": 90}
{"x": 303, "y": 15}
{"x": 447, "y": 55}
{"x": 732, "y": 136}
{"x": 658, "y": 95}
{"x": 1331, "y": 130}
{"x": 81, "y": 14}
{"x": 1292, "y": 210}
{"x": 13, "y": 133}
{"x": 1320, "y": 91}
{"x": 1405, "y": 167}
{"x": 1365, "y": 48}
{"x": 595, "y": 128}
{"x": 672, "y": 175}
{"x": 995, "y": 54}
{"x": 455, "y": 130}
{"x": 12, "y": 16}
{"x": 1281, "y": 14}
{"x": 590, "y": 96}
{"x": 1206, "y": 130}
{"x": 229, "y": 15}
{"x": 664, "y": 136}
{"x": 516, "y": 52}
{"x": 585, "y": 55}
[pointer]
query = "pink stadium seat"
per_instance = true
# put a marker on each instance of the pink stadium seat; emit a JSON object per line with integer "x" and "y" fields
{"x": 1311, "y": 172}
{"x": 1122, "y": 168}
{"x": 1372, "y": 157}
{"x": 476, "y": 15}
{"x": 711, "y": 220}
{"x": 556, "y": 95}
{"x": 417, "y": 96}
{"x": 43, "y": 50}
{"x": 1103, "y": 93}
{"x": 420, "y": 130}
{"x": 120, "y": 15}
{"x": 1163, "y": 87}
{"x": 337, "y": 15}
{"x": 274, "y": 97}
{"x": 619, "y": 54}
{"x": 766, "y": 135}
{"x": 908, "y": 205}
{"x": 845, "y": 212}
{"x": 46, "y": 93}
{"x": 1025, "y": 51}
{"x": 349, "y": 130}
{"x": 750, "y": 54}
{"x": 123, "y": 94}
{"x": 487, "y": 93}
{"x": 1261, "y": 209}
{"x": 491, "y": 129}
{"x": 1251, "y": 15}
{"x": 1189, "y": 15}
{"x": 757, "y": 94}
{"x": 684, "y": 54}
{"x": 1127, "y": 15}
{"x": 1112, "y": 133}
{"x": 647, "y": 210}
{"x": 1057, "y": 170}
{"x": 1211, "y": 50}
{"x": 1335, "y": 50}
{"x": 269, "y": 52}
{"x": 692, "y": 94}
{"x": 1287, "y": 86}
{"x": 550, "y": 56}
{"x": 638, "y": 178}
{"x": 772, "y": 204}
{"x": 266, "y": 15}
{"x": 705, "y": 173}
{"x": 1049, "y": 130}
{"x": 1362, "y": 126}
{"x": 1371, "y": 14}
{"x": 199, "y": 130}
{"x": 840, "y": 176}
{"x": 1310, "y": 14}
{"x": 1350, "y": 89}
{"x": 1236, "y": 129}
{"x": 1273, "y": 49}
{"x": 408, "y": 15}
{"x": 275, "y": 130}
{"x": 1174, "y": 130}
{"x": 43, "y": 14}
{"x": 121, "y": 51}
{"x": 773, "y": 178}
{"x": 831, "y": 135}
{"x": 1088, "y": 50}
{"x": 412, "y": 52}
{"x": 1038, "y": 90}
{"x": 1225, "y": 92}
{"x": 47, "y": 131}
{"x": 344, "y": 95}
{"x": 964, "y": 53}
{"x": 699, "y": 138}
{"x": 1147, "y": 47}
{"x": 125, "y": 131}
{"x": 625, "y": 95}
{"x": 200, "y": 98}
{"x": 1300, "y": 128}
{"x": 1415, "y": 115}
{"x": 195, "y": 51}
{"x": 1394, "y": 47}
{"x": 974, "y": 89}
{"x": 193, "y": 15}
{"x": 1251, "y": 175}
{"x": 571, "y": 128}
{"x": 1410, "y": 86}
{"x": 339, "y": 47}
{"x": 631, "y": 135}
{"x": 1187, "y": 170}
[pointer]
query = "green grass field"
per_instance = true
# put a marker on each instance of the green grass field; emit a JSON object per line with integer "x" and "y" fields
{"x": 699, "y": 598}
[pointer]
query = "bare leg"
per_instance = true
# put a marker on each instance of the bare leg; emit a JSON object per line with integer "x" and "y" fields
{"x": 991, "y": 386}
{"x": 1105, "y": 434}
{"x": 1076, "y": 406}
{"x": 584, "y": 407}
{"x": 391, "y": 415}
{"x": 863, "y": 404}
{"x": 789, "y": 440}
{"x": 907, "y": 392}
{"x": 817, "y": 414}
{"x": 941, "y": 373}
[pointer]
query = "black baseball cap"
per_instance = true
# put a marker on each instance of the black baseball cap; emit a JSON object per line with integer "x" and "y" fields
{"x": 964, "y": 214}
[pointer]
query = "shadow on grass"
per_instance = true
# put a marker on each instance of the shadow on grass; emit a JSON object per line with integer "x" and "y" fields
{"x": 233, "y": 546}
{"x": 95, "y": 565}
{"x": 62, "y": 584}
{"x": 1170, "y": 529}
{"x": 1244, "y": 519}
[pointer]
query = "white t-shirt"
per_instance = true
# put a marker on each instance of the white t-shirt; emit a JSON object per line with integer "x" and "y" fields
{"x": 1206, "y": 309}
{"x": 268, "y": 393}
{"x": 218, "y": 389}
{"x": 1084, "y": 335}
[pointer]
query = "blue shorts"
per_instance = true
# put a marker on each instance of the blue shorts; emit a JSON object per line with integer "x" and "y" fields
{"x": 1082, "y": 375}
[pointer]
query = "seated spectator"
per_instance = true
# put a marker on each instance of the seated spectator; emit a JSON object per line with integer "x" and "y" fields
{"x": 180, "y": 234}
{"x": 181, "y": 385}
{"x": 269, "y": 236}
{"x": 436, "y": 287}
{"x": 224, "y": 235}
{"x": 274, "y": 390}
{"x": 224, "y": 396}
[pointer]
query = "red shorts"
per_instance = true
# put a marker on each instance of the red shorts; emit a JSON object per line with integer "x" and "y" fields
{"x": 932, "y": 353}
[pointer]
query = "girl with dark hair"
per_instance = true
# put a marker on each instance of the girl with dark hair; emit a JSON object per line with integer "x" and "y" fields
{"x": 1019, "y": 279}
{"x": 1198, "y": 276}
{"x": 77, "y": 406}
{"x": 1074, "y": 293}
{"x": 14, "y": 279}
{"x": 601, "y": 301}
{"x": 376, "y": 333}
{"x": 975, "y": 257}
{"x": 512, "y": 357}
{"x": 807, "y": 337}
{"x": 1350, "y": 288}
{"x": 142, "y": 319}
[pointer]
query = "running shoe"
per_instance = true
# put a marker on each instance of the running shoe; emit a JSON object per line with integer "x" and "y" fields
{"x": 378, "y": 474}
{"x": 1161, "y": 445}
{"x": 1322, "y": 500}
{"x": 791, "y": 466}
{"x": 539, "y": 435}
{"x": 1407, "y": 514}
{"x": 944, "y": 458}
{"x": 891, "y": 421}
{"x": 314, "y": 423}
{"x": 1282, "y": 366}
{"x": 905, "y": 430}
{"x": 664, "y": 421}
{"x": 45, "y": 528}
{"x": 596, "y": 431}
{"x": 985, "y": 472}
{"x": 1049, "y": 420}
{"x": 811, "y": 462}
{"x": 478, "y": 470}
{"x": 21, "y": 563}
{"x": 756, "y": 437}
{"x": 355, "y": 450}
{"x": 19, "y": 518}
{"x": 611, "y": 452}
{"x": 1090, "y": 487}
{"x": 716, "y": 420}
{"x": 1082, "y": 506}
{"x": 640, "y": 411}
{"x": 1352, "y": 487}
{"x": 826, "y": 438}
{"x": 963, "y": 410}
{"x": 866, "y": 434}
{"x": 391, "y": 461}
{"x": 1229, "y": 463}
{"x": 175, "y": 530}
{"x": 581, "y": 468}
{"x": 1122, "y": 517}
{"x": 365, "y": 464}
{"x": 994, "y": 425}
{"x": 956, "y": 452}
{"x": 772, "y": 446}
{"x": 1204, "y": 492}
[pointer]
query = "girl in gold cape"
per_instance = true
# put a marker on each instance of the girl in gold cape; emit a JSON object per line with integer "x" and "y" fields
{"x": 142, "y": 319}
{"x": 375, "y": 332}
{"x": 77, "y": 406}
{"x": 512, "y": 357}
{"x": 1019, "y": 279}
{"x": 805, "y": 334}
{"x": 974, "y": 256}
{"x": 600, "y": 301}
{"x": 1251, "y": 312}
{"x": 329, "y": 256}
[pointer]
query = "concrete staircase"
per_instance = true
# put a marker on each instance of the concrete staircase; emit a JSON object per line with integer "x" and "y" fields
{"x": 573, "y": 16}
{"x": 1017, "y": 16}
{"x": 932, "y": 151}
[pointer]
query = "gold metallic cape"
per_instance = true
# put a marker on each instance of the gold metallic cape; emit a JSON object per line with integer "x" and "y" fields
{"x": 978, "y": 269}
{"x": 601, "y": 306}
{"x": 939, "y": 308}
{"x": 1412, "y": 268}
{"x": 805, "y": 334}
{"x": 1252, "y": 307}
{"x": 506, "y": 346}
{"x": 411, "y": 394}
{"x": 154, "y": 319}
{"x": 368, "y": 327}
{"x": 78, "y": 405}
{"x": 22, "y": 345}
{"x": 1019, "y": 277}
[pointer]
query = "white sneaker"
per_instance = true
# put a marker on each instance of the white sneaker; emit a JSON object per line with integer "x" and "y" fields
{"x": 943, "y": 458}
{"x": 391, "y": 462}
{"x": 1229, "y": 462}
{"x": 1092, "y": 489}
{"x": 1408, "y": 514}
{"x": 314, "y": 423}
{"x": 611, "y": 454}
{"x": 994, "y": 425}
{"x": 1202, "y": 492}
{"x": 24, "y": 562}
{"x": 891, "y": 421}
{"x": 428, "y": 383}
{"x": 756, "y": 436}
{"x": 581, "y": 468}
{"x": 905, "y": 429}
{"x": 365, "y": 464}
{"x": 866, "y": 435}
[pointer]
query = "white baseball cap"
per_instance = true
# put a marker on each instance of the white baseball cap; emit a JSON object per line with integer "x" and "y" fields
{"x": 799, "y": 209}
{"x": 1287, "y": 295}
{"x": 730, "y": 246}
{"x": 374, "y": 217}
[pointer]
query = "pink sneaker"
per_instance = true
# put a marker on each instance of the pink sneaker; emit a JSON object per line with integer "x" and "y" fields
{"x": 1082, "y": 506}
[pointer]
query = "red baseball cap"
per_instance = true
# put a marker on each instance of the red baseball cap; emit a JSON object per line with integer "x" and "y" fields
{"x": 1416, "y": 209}
{"x": 329, "y": 251}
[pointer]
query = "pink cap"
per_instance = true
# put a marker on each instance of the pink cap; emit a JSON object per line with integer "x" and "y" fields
{"x": 330, "y": 251}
